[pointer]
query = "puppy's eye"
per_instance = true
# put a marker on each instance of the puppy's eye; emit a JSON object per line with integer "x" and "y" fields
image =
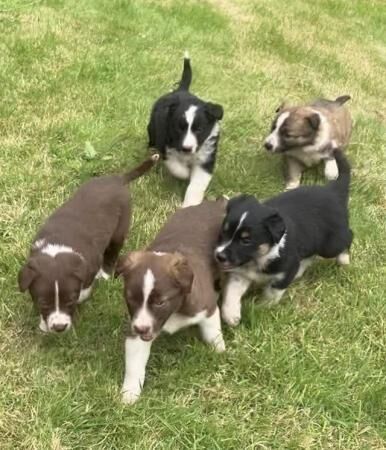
{"x": 245, "y": 240}
{"x": 159, "y": 302}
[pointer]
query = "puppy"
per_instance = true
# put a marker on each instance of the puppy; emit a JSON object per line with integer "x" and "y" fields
{"x": 305, "y": 134}
{"x": 274, "y": 242}
{"x": 186, "y": 130}
{"x": 170, "y": 286}
{"x": 79, "y": 242}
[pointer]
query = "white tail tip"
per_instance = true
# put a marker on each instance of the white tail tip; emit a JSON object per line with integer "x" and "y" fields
{"x": 186, "y": 55}
{"x": 155, "y": 157}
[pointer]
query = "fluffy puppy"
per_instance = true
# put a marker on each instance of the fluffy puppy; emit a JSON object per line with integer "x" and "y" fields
{"x": 78, "y": 243}
{"x": 304, "y": 136}
{"x": 171, "y": 286}
{"x": 186, "y": 130}
{"x": 274, "y": 242}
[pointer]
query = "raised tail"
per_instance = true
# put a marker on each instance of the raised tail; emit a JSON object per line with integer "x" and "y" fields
{"x": 342, "y": 99}
{"x": 342, "y": 183}
{"x": 141, "y": 169}
{"x": 186, "y": 77}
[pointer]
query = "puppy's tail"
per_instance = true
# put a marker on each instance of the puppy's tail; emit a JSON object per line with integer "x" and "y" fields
{"x": 141, "y": 169}
{"x": 186, "y": 77}
{"x": 342, "y": 99}
{"x": 342, "y": 184}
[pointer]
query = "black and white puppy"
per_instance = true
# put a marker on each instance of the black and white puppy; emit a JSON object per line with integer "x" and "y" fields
{"x": 274, "y": 242}
{"x": 185, "y": 130}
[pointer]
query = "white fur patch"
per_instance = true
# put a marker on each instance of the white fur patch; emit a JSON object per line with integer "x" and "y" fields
{"x": 190, "y": 140}
{"x": 195, "y": 192}
{"x": 144, "y": 318}
{"x": 343, "y": 259}
{"x": 235, "y": 288}
{"x": 274, "y": 253}
{"x": 304, "y": 264}
{"x": 331, "y": 171}
{"x": 272, "y": 295}
{"x": 222, "y": 247}
{"x": 274, "y": 138}
{"x": 178, "y": 164}
{"x": 159, "y": 253}
{"x": 211, "y": 333}
{"x": 102, "y": 274}
{"x": 137, "y": 353}
{"x": 85, "y": 294}
{"x": 42, "y": 325}
{"x": 55, "y": 249}
{"x": 57, "y": 317}
{"x": 322, "y": 138}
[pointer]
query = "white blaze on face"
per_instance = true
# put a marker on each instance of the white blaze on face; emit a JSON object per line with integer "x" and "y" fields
{"x": 226, "y": 244}
{"x": 274, "y": 138}
{"x": 190, "y": 139}
{"x": 58, "y": 320}
{"x": 144, "y": 318}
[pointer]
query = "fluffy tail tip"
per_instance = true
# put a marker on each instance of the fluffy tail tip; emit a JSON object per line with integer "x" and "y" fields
{"x": 186, "y": 55}
{"x": 155, "y": 157}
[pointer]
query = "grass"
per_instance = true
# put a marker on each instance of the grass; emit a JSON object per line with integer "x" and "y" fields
{"x": 309, "y": 374}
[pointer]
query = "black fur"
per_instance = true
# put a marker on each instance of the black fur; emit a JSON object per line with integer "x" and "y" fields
{"x": 314, "y": 220}
{"x": 168, "y": 126}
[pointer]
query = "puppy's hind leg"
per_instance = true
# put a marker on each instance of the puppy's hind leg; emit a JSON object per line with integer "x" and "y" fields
{"x": 343, "y": 259}
{"x": 210, "y": 328}
{"x": 116, "y": 243}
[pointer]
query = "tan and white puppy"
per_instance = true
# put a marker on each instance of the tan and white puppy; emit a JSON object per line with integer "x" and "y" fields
{"x": 170, "y": 286}
{"x": 306, "y": 135}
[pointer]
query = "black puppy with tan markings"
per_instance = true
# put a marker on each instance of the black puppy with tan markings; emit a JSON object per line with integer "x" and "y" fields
{"x": 170, "y": 286}
{"x": 272, "y": 243}
{"x": 78, "y": 243}
{"x": 305, "y": 134}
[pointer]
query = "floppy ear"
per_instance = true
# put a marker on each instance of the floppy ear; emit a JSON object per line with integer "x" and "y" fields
{"x": 214, "y": 110}
{"x": 275, "y": 226}
{"x": 125, "y": 263}
{"x": 158, "y": 127}
{"x": 26, "y": 275}
{"x": 314, "y": 120}
{"x": 181, "y": 271}
{"x": 80, "y": 270}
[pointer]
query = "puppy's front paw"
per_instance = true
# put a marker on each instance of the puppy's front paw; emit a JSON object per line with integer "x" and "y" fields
{"x": 130, "y": 397}
{"x": 231, "y": 315}
{"x": 331, "y": 171}
{"x": 102, "y": 274}
{"x": 292, "y": 185}
{"x": 219, "y": 344}
{"x": 272, "y": 296}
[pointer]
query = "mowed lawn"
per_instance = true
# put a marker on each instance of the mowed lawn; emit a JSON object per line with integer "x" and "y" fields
{"x": 77, "y": 81}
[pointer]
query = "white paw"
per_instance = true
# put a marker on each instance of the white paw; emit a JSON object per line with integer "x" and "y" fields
{"x": 331, "y": 170}
{"x": 42, "y": 325}
{"x": 231, "y": 315}
{"x": 102, "y": 274}
{"x": 343, "y": 259}
{"x": 272, "y": 296}
{"x": 192, "y": 200}
{"x": 219, "y": 345}
{"x": 290, "y": 186}
{"x": 130, "y": 397}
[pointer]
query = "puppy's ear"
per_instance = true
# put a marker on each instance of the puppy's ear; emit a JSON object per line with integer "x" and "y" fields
{"x": 27, "y": 274}
{"x": 180, "y": 270}
{"x": 275, "y": 226}
{"x": 314, "y": 120}
{"x": 237, "y": 200}
{"x": 214, "y": 111}
{"x": 80, "y": 270}
{"x": 158, "y": 126}
{"x": 125, "y": 263}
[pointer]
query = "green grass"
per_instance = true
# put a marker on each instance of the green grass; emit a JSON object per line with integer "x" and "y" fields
{"x": 309, "y": 374}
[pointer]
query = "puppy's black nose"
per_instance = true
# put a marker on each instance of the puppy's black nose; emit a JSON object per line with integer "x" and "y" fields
{"x": 59, "y": 327}
{"x": 187, "y": 149}
{"x": 268, "y": 146}
{"x": 141, "y": 329}
{"x": 221, "y": 257}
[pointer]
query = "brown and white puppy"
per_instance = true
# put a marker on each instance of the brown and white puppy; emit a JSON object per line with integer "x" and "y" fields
{"x": 307, "y": 135}
{"x": 170, "y": 286}
{"x": 78, "y": 243}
